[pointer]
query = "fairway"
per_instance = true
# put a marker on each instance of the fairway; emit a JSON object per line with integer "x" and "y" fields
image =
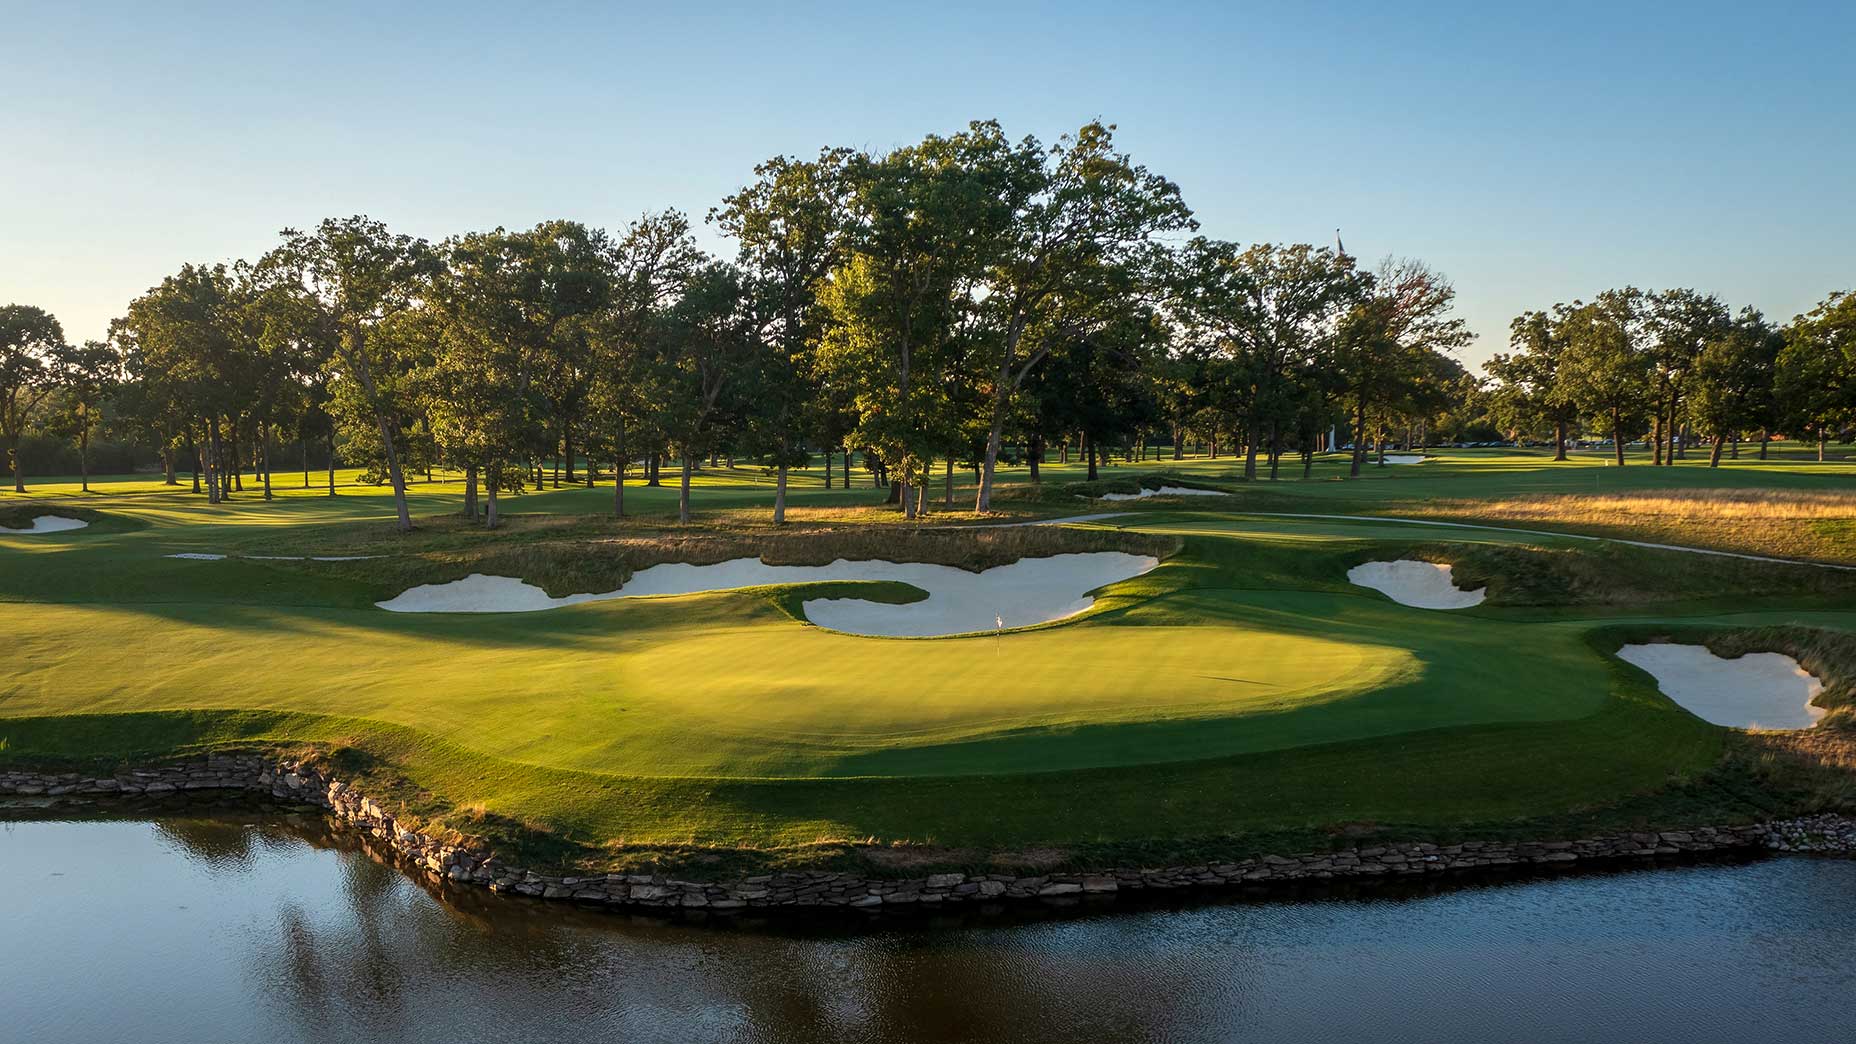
{"x": 726, "y": 719}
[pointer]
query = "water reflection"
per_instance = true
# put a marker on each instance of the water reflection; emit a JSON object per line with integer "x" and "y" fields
{"x": 254, "y": 926}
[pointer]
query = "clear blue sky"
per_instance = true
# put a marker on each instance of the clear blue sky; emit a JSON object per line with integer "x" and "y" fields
{"x": 1533, "y": 155}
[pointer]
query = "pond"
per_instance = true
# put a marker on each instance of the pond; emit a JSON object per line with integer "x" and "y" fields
{"x": 248, "y": 925}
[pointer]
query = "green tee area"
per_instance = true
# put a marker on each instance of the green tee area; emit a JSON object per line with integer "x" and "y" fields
{"x": 1241, "y": 696}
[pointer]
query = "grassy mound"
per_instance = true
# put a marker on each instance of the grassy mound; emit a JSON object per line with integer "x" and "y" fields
{"x": 20, "y": 516}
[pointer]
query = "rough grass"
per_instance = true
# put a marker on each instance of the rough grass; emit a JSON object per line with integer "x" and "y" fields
{"x": 1802, "y": 524}
{"x": 1709, "y": 505}
{"x": 1618, "y": 575}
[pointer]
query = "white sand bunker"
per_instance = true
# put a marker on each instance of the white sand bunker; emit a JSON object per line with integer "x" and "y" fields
{"x": 1758, "y": 690}
{"x": 48, "y": 524}
{"x": 1165, "y": 491}
{"x": 1404, "y": 458}
{"x": 1421, "y": 585}
{"x": 1029, "y": 591}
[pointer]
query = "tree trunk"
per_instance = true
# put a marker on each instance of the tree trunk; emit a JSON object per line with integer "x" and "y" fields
{"x": 947, "y": 486}
{"x": 1034, "y": 455}
{"x": 470, "y": 492}
{"x": 1617, "y": 435}
{"x": 331, "y": 441}
{"x": 908, "y": 497}
{"x": 167, "y": 467}
{"x": 779, "y": 496}
{"x": 1250, "y": 450}
{"x": 209, "y": 459}
{"x": 982, "y": 500}
{"x": 1559, "y": 440}
{"x": 567, "y": 450}
{"x": 493, "y": 477}
{"x": 1733, "y": 448}
{"x": 653, "y": 467}
{"x": 394, "y": 474}
{"x": 1089, "y": 454}
{"x": 19, "y": 470}
{"x": 83, "y": 454}
{"x": 1179, "y": 449}
{"x": 1308, "y": 461}
{"x": 1656, "y": 440}
{"x": 1359, "y": 437}
{"x": 1275, "y": 450}
{"x": 1765, "y": 438}
{"x": 1820, "y": 447}
{"x": 1714, "y": 459}
{"x": 618, "y": 486}
{"x": 264, "y": 452}
{"x": 683, "y": 491}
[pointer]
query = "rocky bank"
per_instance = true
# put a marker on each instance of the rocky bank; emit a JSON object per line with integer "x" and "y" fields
{"x": 464, "y": 864}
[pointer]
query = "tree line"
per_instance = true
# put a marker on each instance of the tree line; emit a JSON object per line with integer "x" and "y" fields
{"x": 1680, "y": 366}
{"x": 957, "y": 303}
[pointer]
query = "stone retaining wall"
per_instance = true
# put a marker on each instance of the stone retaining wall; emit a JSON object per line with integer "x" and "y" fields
{"x": 467, "y": 865}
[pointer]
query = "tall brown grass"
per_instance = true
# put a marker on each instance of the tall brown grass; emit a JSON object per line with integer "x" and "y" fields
{"x": 1681, "y": 505}
{"x": 1665, "y": 504}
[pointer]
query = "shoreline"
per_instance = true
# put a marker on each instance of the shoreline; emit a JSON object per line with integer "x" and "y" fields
{"x": 814, "y": 892}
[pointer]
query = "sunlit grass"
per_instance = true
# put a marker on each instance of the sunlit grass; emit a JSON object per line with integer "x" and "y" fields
{"x": 1244, "y": 685}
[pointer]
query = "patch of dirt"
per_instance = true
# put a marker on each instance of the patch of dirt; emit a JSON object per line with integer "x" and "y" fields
{"x": 1032, "y": 858}
{"x": 911, "y": 857}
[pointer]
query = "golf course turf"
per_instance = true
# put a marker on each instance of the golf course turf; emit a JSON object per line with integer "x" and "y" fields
{"x": 1242, "y": 691}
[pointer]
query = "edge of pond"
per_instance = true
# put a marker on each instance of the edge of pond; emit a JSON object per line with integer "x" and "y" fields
{"x": 822, "y": 892}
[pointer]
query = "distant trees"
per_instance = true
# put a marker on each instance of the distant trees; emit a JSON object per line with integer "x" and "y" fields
{"x": 1816, "y": 388}
{"x": 86, "y": 376}
{"x": 1393, "y": 347}
{"x": 937, "y": 306}
{"x": 1529, "y": 393}
{"x": 1734, "y": 389}
{"x": 31, "y": 349}
{"x": 1266, "y": 322}
{"x": 1661, "y": 365}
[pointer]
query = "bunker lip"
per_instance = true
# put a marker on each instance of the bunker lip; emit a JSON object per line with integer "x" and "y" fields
{"x": 1024, "y": 593}
{"x": 1164, "y": 491}
{"x": 1421, "y": 585}
{"x": 46, "y": 524}
{"x": 1760, "y": 690}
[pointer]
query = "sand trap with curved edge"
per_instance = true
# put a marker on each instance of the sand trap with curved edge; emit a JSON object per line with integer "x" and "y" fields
{"x": 1026, "y": 592}
{"x": 1755, "y": 691}
{"x": 1165, "y": 491}
{"x": 1404, "y": 458}
{"x": 1421, "y": 585}
{"x": 47, "y": 524}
